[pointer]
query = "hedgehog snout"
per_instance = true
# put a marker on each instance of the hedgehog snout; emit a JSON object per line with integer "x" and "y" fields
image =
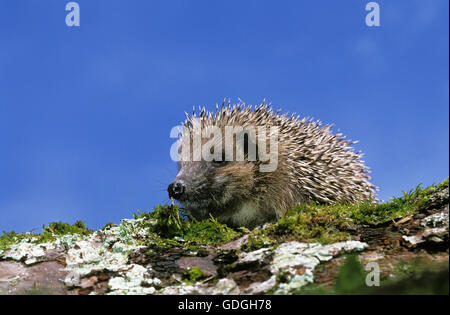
{"x": 176, "y": 189}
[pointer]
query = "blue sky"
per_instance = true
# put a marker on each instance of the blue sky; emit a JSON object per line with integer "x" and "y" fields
{"x": 85, "y": 113}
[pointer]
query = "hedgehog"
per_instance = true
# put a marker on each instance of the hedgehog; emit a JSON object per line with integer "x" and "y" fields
{"x": 313, "y": 165}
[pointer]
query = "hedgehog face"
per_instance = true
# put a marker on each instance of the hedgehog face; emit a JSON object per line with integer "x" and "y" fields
{"x": 215, "y": 188}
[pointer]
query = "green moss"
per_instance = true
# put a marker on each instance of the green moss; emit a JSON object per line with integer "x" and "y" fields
{"x": 168, "y": 228}
{"x": 306, "y": 222}
{"x": 193, "y": 275}
{"x": 410, "y": 203}
{"x": 55, "y": 229}
{"x": 257, "y": 239}
{"x": 168, "y": 222}
{"x": 313, "y": 222}
{"x": 208, "y": 232}
{"x": 49, "y": 233}
{"x": 9, "y": 238}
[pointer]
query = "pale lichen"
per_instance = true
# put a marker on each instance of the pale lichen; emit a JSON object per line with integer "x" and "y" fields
{"x": 132, "y": 281}
{"x": 297, "y": 261}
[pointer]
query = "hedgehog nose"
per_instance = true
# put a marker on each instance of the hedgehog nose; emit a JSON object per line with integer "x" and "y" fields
{"x": 176, "y": 190}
